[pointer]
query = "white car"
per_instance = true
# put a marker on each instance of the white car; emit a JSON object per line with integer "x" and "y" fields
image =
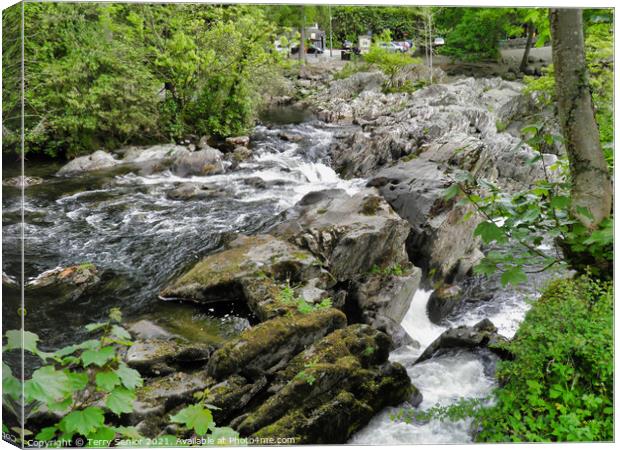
{"x": 439, "y": 41}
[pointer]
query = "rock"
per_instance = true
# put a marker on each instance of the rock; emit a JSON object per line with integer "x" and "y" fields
{"x": 440, "y": 239}
{"x": 145, "y": 329}
{"x": 290, "y": 137}
{"x": 386, "y": 296}
{"x": 331, "y": 389}
{"x": 349, "y": 233}
{"x": 203, "y": 143}
{"x": 9, "y": 281}
{"x": 95, "y": 161}
{"x": 232, "y": 395}
{"x": 241, "y": 154}
{"x": 22, "y": 181}
{"x": 64, "y": 283}
{"x": 268, "y": 346}
{"x": 208, "y": 161}
{"x": 482, "y": 335}
{"x": 442, "y": 302}
{"x": 154, "y": 153}
{"x": 160, "y": 356}
{"x": 352, "y": 86}
{"x": 194, "y": 191}
{"x": 170, "y": 391}
{"x": 232, "y": 274}
{"x": 237, "y": 141}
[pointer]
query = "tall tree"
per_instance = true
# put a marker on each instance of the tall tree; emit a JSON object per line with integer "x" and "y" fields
{"x": 591, "y": 194}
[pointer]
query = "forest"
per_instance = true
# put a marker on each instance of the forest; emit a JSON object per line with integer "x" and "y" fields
{"x": 250, "y": 224}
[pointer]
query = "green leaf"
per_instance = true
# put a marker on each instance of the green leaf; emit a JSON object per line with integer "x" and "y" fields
{"x": 78, "y": 381}
{"x": 11, "y": 386}
{"x": 83, "y": 422}
{"x": 120, "y": 400}
{"x": 115, "y": 315}
{"x": 452, "y": 191}
{"x": 489, "y": 232}
{"x": 14, "y": 341}
{"x": 514, "y": 276}
{"x": 130, "y": 378}
{"x": 47, "y": 385}
{"x": 98, "y": 357}
{"x": 120, "y": 332}
{"x": 46, "y": 434}
{"x": 96, "y": 326}
{"x": 101, "y": 437}
{"x": 560, "y": 202}
{"x": 195, "y": 417}
{"x": 128, "y": 432}
{"x": 106, "y": 381}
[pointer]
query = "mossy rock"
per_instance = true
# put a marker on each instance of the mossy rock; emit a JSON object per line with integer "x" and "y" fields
{"x": 331, "y": 389}
{"x": 271, "y": 344}
{"x": 219, "y": 276}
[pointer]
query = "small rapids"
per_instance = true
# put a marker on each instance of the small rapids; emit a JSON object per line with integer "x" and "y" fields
{"x": 444, "y": 380}
{"x": 127, "y": 225}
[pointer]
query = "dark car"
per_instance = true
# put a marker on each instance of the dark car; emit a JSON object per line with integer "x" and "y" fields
{"x": 311, "y": 49}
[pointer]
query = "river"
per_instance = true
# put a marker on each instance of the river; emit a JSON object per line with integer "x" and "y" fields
{"x": 139, "y": 238}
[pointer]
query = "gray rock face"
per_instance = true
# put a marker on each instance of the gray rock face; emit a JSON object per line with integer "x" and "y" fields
{"x": 483, "y": 334}
{"x": 442, "y": 302}
{"x": 154, "y": 153}
{"x": 350, "y": 233}
{"x": 161, "y": 356}
{"x": 95, "y": 161}
{"x": 208, "y": 161}
{"x": 385, "y": 299}
{"x": 145, "y": 329}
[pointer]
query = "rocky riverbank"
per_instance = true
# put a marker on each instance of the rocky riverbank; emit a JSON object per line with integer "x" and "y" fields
{"x": 327, "y": 283}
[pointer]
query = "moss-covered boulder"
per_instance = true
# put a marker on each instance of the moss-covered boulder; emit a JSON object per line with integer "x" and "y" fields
{"x": 331, "y": 389}
{"x": 350, "y": 233}
{"x": 221, "y": 276}
{"x": 232, "y": 395}
{"x": 63, "y": 283}
{"x": 268, "y": 346}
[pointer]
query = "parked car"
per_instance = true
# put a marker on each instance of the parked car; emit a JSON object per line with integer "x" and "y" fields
{"x": 391, "y": 47}
{"x": 347, "y": 45}
{"x": 311, "y": 49}
{"x": 438, "y": 41}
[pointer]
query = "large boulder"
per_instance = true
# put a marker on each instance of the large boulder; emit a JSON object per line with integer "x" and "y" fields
{"x": 331, "y": 389}
{"x": 440, "y": 239}
{"x": 443, "y": 301}
{"x": 268, "y": 346}
{"x": 481, "y": 335}
{"x": 95, "y": 161}
{"x": 247, "y": 271}
{"x": 162, "y": 356}
{"x": 351, "y": 233}
{"x": 208, "y": 161}
{"x": 383, "y": 299}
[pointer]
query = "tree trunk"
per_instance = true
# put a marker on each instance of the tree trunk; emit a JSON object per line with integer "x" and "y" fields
{"x": 302, "y": 43}
{"x": 591, "y": 184}
{"x": 528, "y": 46}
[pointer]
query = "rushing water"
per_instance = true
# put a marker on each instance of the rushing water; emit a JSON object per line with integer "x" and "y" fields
{"x": 460, "y": 374}
{"x": 139, "y": 238}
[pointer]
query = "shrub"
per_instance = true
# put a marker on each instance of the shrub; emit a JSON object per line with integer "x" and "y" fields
{"x": 559, "y": 387}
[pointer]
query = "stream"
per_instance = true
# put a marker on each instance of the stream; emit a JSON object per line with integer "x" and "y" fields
{"x": 139, "y": 239}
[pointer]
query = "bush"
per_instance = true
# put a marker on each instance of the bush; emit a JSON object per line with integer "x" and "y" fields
{"x": 559, "y": 387}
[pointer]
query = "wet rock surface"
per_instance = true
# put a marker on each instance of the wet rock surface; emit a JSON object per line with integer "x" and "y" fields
{"x": 64, "y": 283}
{"x": 482, "y": 335}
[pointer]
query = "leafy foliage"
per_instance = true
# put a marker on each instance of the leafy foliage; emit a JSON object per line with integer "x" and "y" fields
{"x": 74, "y": 380}
{"x": 390, "y": 63}
{"x": 533, "y": 218}
{"x": 287, "y": 296}
{"x": 559, "y": 387}
{"x": 103, "y": 75}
